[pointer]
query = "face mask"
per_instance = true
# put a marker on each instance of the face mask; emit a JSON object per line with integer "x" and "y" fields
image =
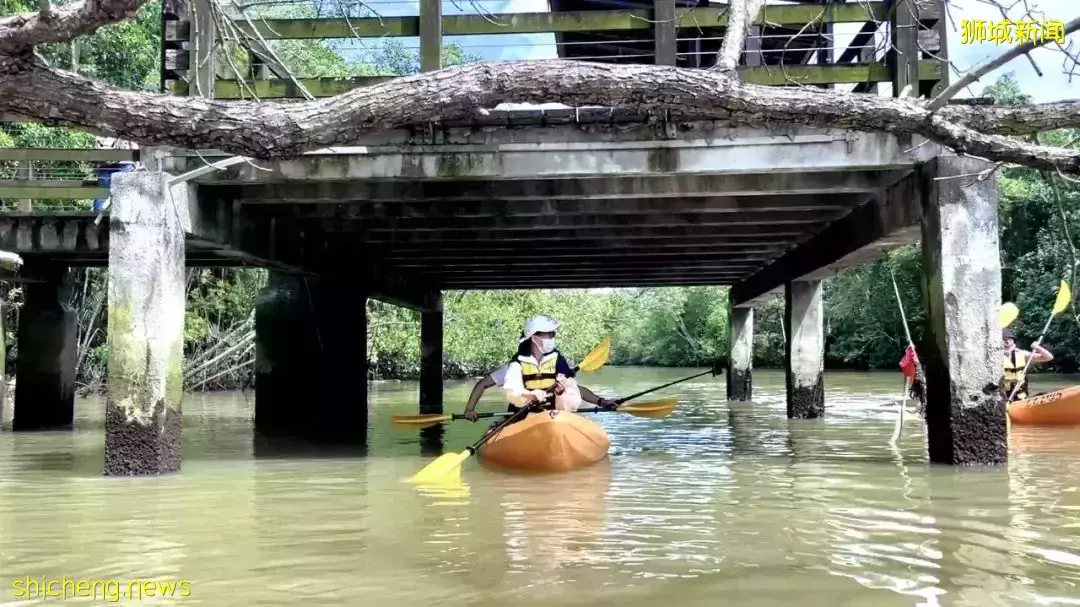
{"x": 547, "y": 345}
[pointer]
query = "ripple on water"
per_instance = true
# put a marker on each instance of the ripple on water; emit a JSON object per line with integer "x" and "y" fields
{"x": 727, "y": 500}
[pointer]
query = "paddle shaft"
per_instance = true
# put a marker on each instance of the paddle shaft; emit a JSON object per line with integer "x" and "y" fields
{"x": 677, "y": 381}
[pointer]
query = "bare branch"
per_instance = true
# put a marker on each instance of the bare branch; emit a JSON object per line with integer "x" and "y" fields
{"x": 741, "y": 13}
{"x": 20, "y": 33}
{"x": 974, "y": 75}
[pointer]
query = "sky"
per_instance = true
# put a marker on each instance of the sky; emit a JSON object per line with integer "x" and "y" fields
{"x": 1053, "y": 85}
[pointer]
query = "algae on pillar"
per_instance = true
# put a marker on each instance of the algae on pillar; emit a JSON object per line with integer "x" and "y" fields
{"x": 963, "y": 356}
{"x": 804, "y": 316}
{"x": 740, "y": 369}
{"x": 146, "y": 326}
{"x": 47, "y": 338}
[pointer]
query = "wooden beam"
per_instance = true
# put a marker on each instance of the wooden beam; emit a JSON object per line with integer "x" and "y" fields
{"x": 678, "y": 186}
{"x": 597, "y": 235}
{"x": 74, "y": 155}
{"x": 555, "y": 22}
{"x": 495, "y": 284}
{"x": 584, "y": 260}
{"x": 431, "y": 35}
{"x": 742, "y": 205}
{"x": 44, "y": 190}
{"x": 278, "y": 88}
{"x": 664, "y": 28}
{"x": 861, "y": 229}
{"x": 531, "y": 226}
{"x": 623, "y": 247}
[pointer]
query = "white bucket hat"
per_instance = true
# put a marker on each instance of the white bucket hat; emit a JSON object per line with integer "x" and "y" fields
{"x": 539, "y": 324}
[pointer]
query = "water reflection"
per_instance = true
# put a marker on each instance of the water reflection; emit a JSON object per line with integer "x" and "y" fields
{"x": 727, "y": 500}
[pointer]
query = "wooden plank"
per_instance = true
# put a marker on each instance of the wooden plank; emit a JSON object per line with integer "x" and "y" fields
{"x": 431, "y": 36}
{"x": 540, "y": 23}
{"x": 277, "y": 88}
{"x": 74, "y": 155}
{"x": 664, "y": 29}
{"x": 49, "y": 192}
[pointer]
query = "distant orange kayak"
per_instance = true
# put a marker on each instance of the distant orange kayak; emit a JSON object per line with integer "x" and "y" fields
{"x": 1061, "y": 408}
{"x": 552, "y": 441}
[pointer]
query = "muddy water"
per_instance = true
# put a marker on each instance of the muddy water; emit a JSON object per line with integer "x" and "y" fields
{"x": 720, "y": 503}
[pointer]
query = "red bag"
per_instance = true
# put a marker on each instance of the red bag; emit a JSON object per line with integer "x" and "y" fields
{"x": 909, "y": 362}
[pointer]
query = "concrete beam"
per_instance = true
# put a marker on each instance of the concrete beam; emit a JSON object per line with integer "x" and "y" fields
{"x": 631, "y": 248}
{"x": 585, "y": 259}
{"x": 573, "y": 151}
{"x": 571, "y": 270}
{"x": 145, "y": 327}
{"x": 965, "y": 407}
{"x": 804, "y": 314}
{"x": 534, "y": 208}
{"x": 740, "y": 367}
{"x": 48, "y": 344}
{"x": 677, "y": 186}
{"x": 864, "y": 229}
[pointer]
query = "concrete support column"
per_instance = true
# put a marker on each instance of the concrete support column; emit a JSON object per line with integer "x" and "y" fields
{"x": 431, "y": 359}
{"x": 146, "y": 326}
{"x": 804, "y": 316}
{"x": 740, "y": 373}
{"x": 47, "y": 337}
{"x": 311, "y": 360}
{"x": 965, "y": 410}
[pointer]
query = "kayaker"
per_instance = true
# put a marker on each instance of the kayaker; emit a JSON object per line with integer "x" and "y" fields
{"x": 495, "y": 378}
{"x": 538, "y": 369}
{"x": 1016, "y": 359}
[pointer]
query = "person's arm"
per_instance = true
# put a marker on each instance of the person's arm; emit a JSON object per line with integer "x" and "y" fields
{"x": 514, "y": 387}
{"x": 589, "y": 396}
{"x": 1041, "y": 354}
{"x": 477, "y": 391}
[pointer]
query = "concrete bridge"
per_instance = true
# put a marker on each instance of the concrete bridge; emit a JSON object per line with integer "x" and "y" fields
{"x": 533, "y": 199}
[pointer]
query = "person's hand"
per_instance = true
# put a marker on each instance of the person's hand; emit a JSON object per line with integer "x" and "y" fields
{"x": 607, "y": 403}
{"x": 470, "y": 415}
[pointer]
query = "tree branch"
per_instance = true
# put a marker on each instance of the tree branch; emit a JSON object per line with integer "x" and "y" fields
{"x": 20, "y": 33}
{"x": 741, "y": 13}
{"x": 993, "y": 64}
{"x": 281, "y": 130}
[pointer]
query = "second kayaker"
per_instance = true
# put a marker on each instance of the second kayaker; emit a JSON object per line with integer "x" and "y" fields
{"x": 1016, "y": 359}
{"x": 539, "y": 368}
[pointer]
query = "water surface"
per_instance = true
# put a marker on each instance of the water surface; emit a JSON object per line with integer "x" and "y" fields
{"x": 725, "y": 503}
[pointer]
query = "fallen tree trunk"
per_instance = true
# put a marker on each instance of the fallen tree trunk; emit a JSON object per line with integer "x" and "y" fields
{"x": 279, "y": 130}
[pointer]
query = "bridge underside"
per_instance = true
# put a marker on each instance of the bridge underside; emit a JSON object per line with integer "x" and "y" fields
{"x": 563, "y": 199}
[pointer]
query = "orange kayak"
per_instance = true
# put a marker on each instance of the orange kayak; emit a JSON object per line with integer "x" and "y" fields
{"x": 552, "y": 441}
{"x": 1061, "y": 408}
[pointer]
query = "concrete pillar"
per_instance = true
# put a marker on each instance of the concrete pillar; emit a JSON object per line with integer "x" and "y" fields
{"x": 431, "y": 359}
{"x": 804, "y": 316}
{"x": 146, "y": 326}
{"x": 740, "y": 373}
{"x": 48, "y": 338}
{"x": 965, "y": 410}
{"x": 311, "y": 360}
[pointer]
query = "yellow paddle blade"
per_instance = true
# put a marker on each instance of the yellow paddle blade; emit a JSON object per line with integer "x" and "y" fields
{"x": 1064, "y": 296}
{"x": 652, "y": 409}
{"x": 420, "y": 420}
{"x": 1008, "y": 314}
{"x": 598, "y": 357}
{"x": 442, "y": 468}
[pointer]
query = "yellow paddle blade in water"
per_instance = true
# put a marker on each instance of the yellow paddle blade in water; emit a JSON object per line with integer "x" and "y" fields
{"x": 1064, "y": 296}
{"x": 420, "y": 420}
{"x": 1008, "y": 314}
{"x": 445, "y": 466}
{"x": 598, "y": 357}
{"x": 652, "y": 409}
